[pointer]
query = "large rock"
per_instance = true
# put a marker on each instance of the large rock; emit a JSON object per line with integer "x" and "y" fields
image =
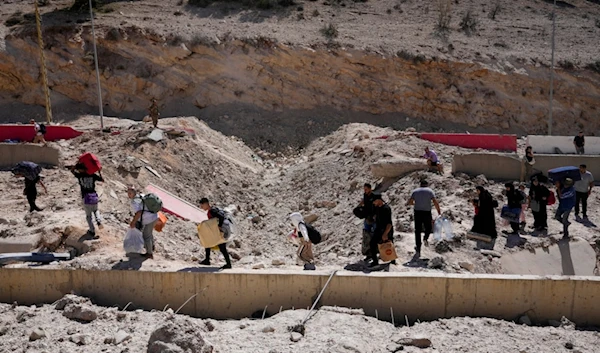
{"x": 80, "y": 313}
{"x": 178, "y": 336}
{"x": 397, "y": 167}
{"x": 71, "y": 299}
{"x": 37, "y": 333}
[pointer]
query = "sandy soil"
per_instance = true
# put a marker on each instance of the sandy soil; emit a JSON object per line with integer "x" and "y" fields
{"x": 324, "y": 179}
{"x": 520, "y": 32}
{"x": 54, "y": 328}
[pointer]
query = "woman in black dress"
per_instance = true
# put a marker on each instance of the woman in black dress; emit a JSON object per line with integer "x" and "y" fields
{"x": 485, "y": 220}
{"x": 538, "y": 196}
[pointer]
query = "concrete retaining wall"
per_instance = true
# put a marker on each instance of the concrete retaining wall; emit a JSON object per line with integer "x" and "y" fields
{"x": 239, "y": 293}
{"x": 508, "y": 166}
{"x": 547, "y": 144}
{"x": 13, "y": 153}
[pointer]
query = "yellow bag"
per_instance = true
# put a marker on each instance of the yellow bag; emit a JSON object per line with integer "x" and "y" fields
{"x": 387, "y": 251}
{"x": 209, "y": 233}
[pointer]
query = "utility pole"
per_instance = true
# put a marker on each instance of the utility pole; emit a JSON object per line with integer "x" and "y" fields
{"x": 552, "y": 69}
{"x": 38, "y": 23}
{"x": 97, "y": 70}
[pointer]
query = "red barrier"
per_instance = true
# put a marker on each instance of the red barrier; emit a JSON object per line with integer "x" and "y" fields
{"x": 25, "y": 133}
{"x": 176, "y": 206}
{"x": 484, "y": 141}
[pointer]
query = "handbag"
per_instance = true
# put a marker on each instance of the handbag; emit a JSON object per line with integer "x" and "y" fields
{"x": 90, "y": 198}
{"x": 535, "y": 206}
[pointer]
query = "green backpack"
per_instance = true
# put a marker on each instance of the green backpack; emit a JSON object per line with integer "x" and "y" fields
{"x": 152, "y": 203}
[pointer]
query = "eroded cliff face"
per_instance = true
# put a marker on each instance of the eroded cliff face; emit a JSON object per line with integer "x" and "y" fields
{"x": 137, "y": 65}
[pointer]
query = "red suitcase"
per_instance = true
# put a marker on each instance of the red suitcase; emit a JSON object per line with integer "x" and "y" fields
{"x": 91, "y": 162}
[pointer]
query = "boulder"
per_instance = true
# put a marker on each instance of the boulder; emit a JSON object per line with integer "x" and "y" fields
{"x": 420, "y": 342}
{"x": 178, "y": 336}
{"x": 80, "y": 313}
{"x": 37, "y": 334}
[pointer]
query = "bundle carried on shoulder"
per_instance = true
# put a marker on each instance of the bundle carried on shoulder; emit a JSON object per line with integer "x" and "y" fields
{"x": 152, "y": 202}
{"x": 27, "y": 169}
{"x": 90, "y": 162}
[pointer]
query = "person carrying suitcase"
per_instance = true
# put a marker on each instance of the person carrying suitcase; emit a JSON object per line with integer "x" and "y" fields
{"x": 566, "y": 196}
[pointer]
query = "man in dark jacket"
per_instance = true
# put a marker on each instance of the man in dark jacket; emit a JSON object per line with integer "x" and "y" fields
{"x": 369, "y": 223}
{"x": 384, "y": 227}
{"x": 214, "y": 212}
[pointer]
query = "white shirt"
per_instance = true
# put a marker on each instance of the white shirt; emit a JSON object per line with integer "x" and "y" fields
{"x": 298, "y": 222}
{"x": 147, "y": 216}
{"x": 583, "y": 185}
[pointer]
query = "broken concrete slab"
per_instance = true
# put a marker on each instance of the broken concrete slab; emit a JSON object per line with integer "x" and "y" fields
{"x": 568, "y": 258}
{"x": 397, "y": 167}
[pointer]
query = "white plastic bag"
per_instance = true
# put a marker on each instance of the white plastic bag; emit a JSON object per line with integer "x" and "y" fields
{"x": 437, "y": 229}
{"x": 447, "y": 226}
{"x": 134, "y": 241}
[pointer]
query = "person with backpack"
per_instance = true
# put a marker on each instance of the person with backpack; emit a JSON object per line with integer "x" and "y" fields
{"x": 31, "y": 173}
{"x": 384, "y": 228}
{"x": 87, "y": 184}
{"x": 538, "y": 202}
{"x": 306, "y": 235}
{"x": 145, "y": 209}
{"x": 40, "y": 131}
{"x": 224, "y": 227}
{"x": 566, "y": 197}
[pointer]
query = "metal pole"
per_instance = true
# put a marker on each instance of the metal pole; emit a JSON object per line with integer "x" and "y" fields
{"x": 552, "y": 69}
{"x": 97, "y": 70}
{"x": 38, "y": 23}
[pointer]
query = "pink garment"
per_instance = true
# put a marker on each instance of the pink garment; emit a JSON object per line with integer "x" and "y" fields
{"x": 523, "y": 210}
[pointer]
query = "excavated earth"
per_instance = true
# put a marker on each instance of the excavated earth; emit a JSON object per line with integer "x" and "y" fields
{"x": 284, "y": 120}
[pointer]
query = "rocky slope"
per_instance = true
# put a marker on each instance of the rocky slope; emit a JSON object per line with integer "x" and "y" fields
{"x": 213, "y": 70}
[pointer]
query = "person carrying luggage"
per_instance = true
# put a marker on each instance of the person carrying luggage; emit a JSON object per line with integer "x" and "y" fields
{"x": 566, "y": 196}
{"x": 306, "y": 236}
{"x": 31, "y": 173}
{"x": 515, "y": 198}
{"x": 87, "y": 184}
{"x": 384, "y": 228}
{"x": 224, "y": 227}
{"x": 145, "y": 209}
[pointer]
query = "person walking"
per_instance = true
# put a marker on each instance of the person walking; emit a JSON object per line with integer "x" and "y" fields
{"x": 143, "y": 220}
{"x": 566, "y": 196}
{"x": 422, "y": 198}
{"x": 153, "y": 110}
{"x": 40, "y": 132}
{"x": 538, "y": 202}
{"x": 527, "y": 164}
{"x": 524, "y": 206}
{"x": 384, "y": 228}
{"x": 579, "y": 143}
{"x": 485, "y": 219}
{"x": 87, "y": 184}
{"x": 583, "y": 189}
{"x": 301, "y": 233}
{"x": 514, "y": 202}
{"x": 224, "y": 227}
{"x": 31, "y": 173}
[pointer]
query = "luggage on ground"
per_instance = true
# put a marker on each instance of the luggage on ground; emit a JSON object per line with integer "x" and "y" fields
{"x": 561, "y": 173}
{"x": 27, "y": 169}
{"x": 387, "y": 251}
{"x": 134, "y": 241}
{"x": 160, "y": 222}
{"x": 90, "y": 162}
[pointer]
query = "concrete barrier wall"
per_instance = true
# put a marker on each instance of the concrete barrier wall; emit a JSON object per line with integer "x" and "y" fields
{"x": 239, "y": 293}
{"x": 547, "y": 144}
{"x": 13, "y": 153}
{"x": 508, "y": 166}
